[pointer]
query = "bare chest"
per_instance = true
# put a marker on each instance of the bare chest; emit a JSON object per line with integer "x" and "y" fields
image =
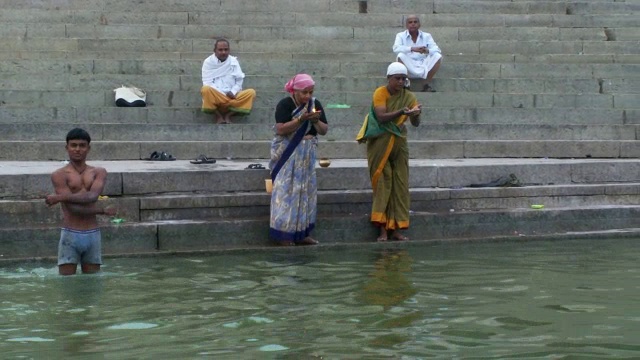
{"x": 80, "y": 182}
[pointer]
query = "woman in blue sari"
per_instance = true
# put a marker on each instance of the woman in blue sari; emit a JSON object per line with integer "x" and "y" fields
{"x": 299, "y": 120}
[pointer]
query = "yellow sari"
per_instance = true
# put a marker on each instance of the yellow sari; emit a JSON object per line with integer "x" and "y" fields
{"x": 388, "y": 160}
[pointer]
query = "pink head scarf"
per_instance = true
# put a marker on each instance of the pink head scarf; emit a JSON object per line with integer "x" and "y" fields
{"x": 299, "y": 82}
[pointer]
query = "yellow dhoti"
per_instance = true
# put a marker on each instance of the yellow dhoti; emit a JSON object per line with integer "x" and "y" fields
{"x": 213, "y": 100}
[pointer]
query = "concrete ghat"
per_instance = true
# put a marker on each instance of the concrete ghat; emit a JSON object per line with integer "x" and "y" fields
{"x": 47, "y": 167}
{"x": 28, "y": 180}
{"x": 189, "y": 236}
{"x": 177, "y": 206}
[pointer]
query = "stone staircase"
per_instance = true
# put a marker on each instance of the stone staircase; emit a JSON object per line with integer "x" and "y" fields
{"x": 552, "y": 70}
{"x": 521, "y": 79}
{"x": 177, "y": 206}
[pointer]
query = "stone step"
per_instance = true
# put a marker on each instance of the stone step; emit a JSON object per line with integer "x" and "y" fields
{"x": 365, "y": 57}
{"x": 344, "y": 13}
{"x": 148, "y": 6}
{"x": 432, "y": 21}
{"x": 531, "y": 7}
{"x": 310, "y": 46}
{"x": 220, "y": 206}
{"x": 348, "y": 83}
{"x": 257, "y": 67}
{"x": 560, "y": 58}
{"x": 210, "y": 207}
{"x": 262, "y": 118}
{"x": 349, "y": 7}
{"x": 626, "y": 34}
{"x": 260, "y": 149}
{"x": 590, "y": 8}
{"x": 251, "y": 132}
{"x": 443, "y": 99}
{"x": 192, "y": 235}
{"x": 237, "y": 32}
{"x": 265, "y": 99}
{"x": 30, "y": 180}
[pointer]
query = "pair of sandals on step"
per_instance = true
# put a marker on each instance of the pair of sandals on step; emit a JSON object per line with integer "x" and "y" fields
{"x": 164, "y": 156}
{"x": 200, "y": 159}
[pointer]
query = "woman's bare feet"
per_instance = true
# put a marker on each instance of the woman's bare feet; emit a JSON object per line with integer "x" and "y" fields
{"x": 398, "y": 236}
{"x": 382, "y": 237}
{"x": 308, "y": 241}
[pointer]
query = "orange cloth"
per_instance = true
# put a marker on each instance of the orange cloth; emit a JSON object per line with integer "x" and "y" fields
{"x": 213, "y": 100}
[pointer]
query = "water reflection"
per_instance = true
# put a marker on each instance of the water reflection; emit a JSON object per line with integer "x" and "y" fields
{"x": 57, "y": 312}
{"x": 494, "y": 300}
{"x": 78, "y": 302}
{"x": 389, "y": 286}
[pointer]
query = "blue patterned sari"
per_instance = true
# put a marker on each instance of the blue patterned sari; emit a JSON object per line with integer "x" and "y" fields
{"x": 294, "y": 195}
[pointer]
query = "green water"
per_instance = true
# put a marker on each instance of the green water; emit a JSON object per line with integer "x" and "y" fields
{"x": 541, "y": 300}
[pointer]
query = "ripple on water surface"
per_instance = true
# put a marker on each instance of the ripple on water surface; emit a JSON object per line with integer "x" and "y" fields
{"x": 132, "y": 326}
{"x": 536, "y": 299}
{"x": 30, "y": 339}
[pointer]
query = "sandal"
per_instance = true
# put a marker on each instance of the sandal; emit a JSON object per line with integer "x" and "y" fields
{"x": 166, "y": 157}
{"x": 160, "y": 156}
{"x": 154, "y": 156}
{"x": 202, "y": 159}
{"x": 256, "y": 167}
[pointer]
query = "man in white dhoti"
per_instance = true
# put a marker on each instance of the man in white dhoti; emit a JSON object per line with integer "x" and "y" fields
{"x": 418, "y": 52}
{"x": 222, "y": 79}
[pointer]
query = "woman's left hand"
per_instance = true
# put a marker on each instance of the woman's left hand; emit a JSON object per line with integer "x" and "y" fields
{"x": 417, "y": 110}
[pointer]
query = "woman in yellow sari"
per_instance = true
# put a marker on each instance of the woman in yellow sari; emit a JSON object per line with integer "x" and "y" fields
{"x": 385, "y": 133}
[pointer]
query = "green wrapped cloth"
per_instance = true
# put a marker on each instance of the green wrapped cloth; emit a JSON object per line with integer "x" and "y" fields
{"x": 371, "y": 128}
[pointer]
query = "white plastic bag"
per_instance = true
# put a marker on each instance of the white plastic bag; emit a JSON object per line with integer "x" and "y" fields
{"x": 130, "y": 96}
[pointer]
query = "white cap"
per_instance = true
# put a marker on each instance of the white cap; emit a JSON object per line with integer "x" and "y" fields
{"x": 396, "y": 68}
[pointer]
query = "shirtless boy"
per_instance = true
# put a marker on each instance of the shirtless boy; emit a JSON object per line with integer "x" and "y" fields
{"x": 77, "y": 188}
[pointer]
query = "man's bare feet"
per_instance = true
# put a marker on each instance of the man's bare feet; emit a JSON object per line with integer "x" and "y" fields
{"x": 398, "y": 236}
{"x": 382, "y": 237}
{"x": 220, "y": 119}
{"x": 227, "y": 118}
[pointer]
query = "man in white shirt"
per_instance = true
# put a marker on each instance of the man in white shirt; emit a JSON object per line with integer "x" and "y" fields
{"x": 222, "y": 79}
{"x": 418, "y": 52}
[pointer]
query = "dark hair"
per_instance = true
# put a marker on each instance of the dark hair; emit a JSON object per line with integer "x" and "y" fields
{"x": 219, "y": 40}
{"x": 78, "y": 134}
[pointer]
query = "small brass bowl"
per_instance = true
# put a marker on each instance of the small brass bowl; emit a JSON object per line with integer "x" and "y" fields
{"x": 324, "y": 162}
